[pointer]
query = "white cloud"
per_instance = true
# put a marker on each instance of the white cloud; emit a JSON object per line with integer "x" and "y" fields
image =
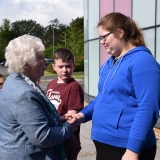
{"x": 42, "y": 11}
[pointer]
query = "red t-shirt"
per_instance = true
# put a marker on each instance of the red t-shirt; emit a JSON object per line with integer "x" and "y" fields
{"x": 66, "y": 96}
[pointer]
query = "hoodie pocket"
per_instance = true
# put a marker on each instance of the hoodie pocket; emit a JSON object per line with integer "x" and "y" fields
{"x": 118, "y": 118}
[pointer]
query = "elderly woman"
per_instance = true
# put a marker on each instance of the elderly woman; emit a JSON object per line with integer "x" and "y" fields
{"x": 29, "y": 124}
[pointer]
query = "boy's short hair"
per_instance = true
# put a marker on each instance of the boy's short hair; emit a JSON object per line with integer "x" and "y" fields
{"x": 64, "y": 54}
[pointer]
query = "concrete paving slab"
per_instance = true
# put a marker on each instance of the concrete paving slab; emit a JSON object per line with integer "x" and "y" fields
{"x": 88, "y": 151}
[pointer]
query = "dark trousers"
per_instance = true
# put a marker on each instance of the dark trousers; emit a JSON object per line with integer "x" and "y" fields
{"x": 107, "y": 152}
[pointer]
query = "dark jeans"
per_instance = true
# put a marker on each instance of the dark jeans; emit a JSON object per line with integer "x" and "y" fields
{"x": 108, "y": 152}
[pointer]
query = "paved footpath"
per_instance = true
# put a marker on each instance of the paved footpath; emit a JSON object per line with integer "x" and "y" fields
{"x": 88, "y": 151}
{"x": 158, "y": 149}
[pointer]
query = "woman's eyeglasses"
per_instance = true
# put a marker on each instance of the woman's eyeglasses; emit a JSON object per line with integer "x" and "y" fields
{"x": 103, "y": 37}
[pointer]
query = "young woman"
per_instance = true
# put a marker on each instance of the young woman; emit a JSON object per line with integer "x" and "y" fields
{"x": 126, "y": 108}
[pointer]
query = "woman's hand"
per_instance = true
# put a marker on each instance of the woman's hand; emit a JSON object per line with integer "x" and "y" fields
{"x": 130, "y": 155}
{"x": 75, "y": 118}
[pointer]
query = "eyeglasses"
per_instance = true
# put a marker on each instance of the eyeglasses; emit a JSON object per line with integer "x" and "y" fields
{"x": 41, "y": 59}
{"x": 103, "y": 37}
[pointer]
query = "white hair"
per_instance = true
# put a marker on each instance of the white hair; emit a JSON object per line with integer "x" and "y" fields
{"x": 22, "y": 50}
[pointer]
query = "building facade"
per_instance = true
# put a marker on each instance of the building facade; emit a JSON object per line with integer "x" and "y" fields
{"x": 146, "y": 13}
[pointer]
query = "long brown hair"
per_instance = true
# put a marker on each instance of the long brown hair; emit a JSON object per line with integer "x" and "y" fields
{"x": 115, "y": 21}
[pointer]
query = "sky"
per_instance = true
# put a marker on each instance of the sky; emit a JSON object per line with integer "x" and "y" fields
{"x": 41, "y": 11}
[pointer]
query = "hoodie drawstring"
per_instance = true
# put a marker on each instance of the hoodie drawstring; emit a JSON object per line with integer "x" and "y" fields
{"x": 117, "y": 67}
{"x": 110, "y": 71}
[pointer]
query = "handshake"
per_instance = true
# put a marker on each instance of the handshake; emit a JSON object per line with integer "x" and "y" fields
{"x": 74, "y": 119}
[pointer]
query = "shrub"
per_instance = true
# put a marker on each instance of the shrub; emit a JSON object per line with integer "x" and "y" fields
{"x": 50, "y": 69}
{"x": 79, "y": 67}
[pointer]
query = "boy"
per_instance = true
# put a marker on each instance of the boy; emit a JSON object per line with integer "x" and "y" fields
{"x": 65, "y": 93}
{"x": 2, "y": 79}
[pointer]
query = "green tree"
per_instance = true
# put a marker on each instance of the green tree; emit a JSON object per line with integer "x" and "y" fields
{"x": 9, "y": 31}
{"x": 75, "y": 37}
{"x": 5, "y": 37}
{"x": 53, "y": 32}
{"x": 48, "y": 53}
{"x": 30, "y": 27}
{"x": 70, "y": 36}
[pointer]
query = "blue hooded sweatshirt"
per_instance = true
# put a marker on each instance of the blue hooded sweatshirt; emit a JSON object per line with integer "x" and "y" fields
{"x": 127, "y": 105}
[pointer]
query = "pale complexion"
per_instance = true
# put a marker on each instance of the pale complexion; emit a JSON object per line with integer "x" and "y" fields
{"x": 64, "y": 72}
{"x": 114, "y": 46}
{"x": 35, "y": 72}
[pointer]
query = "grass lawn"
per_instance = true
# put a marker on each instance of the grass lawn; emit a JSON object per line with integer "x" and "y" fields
{"x": 76, "y": 75}
{"x": 48, "y": 73}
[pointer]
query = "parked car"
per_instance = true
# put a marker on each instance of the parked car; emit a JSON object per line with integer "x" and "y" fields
{"x": 4, "y": 64}
{"x": 48, "y": 61}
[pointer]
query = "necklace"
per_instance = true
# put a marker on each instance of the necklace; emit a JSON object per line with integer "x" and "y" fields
{"x": 123, "y": 53}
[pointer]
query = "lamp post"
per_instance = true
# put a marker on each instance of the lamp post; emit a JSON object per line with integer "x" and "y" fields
{"x": 65, "y": 39}
{"x": 54, "y": 27}
{"x": 53, "y": 39}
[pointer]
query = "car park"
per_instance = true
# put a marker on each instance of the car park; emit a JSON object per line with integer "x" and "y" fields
{"x": 48, "y": 61}
{"x": 4, "y": 64}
